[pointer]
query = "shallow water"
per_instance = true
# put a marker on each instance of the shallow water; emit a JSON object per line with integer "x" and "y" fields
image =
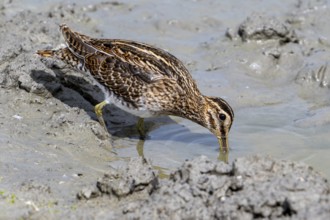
{"x": 272, "y": 112}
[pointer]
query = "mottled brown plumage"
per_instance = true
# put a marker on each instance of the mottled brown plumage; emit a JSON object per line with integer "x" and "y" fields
{"x": 143, "y": 80}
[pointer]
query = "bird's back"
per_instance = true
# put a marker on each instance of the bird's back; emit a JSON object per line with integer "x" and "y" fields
{"x": 139, "y": 74}
{"x": 141, "y": 60}
{"x": 133, "y": 75}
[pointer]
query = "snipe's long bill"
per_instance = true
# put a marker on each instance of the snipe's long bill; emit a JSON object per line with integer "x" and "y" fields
{"x": 143, "y": 80}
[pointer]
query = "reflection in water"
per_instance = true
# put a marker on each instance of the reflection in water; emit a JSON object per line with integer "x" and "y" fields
{"x": 162, "y": 172}
{"x": 262, "y": 130}
{"x": 169, "y": 143}
{"x": 139, "y": 147}
{"x": 223, "y": 156}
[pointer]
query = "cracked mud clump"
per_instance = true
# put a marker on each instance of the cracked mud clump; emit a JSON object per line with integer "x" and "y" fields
{"x": 251, "y": 187}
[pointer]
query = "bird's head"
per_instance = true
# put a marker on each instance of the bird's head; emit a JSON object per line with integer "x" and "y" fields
{"x": 218, "y": 119}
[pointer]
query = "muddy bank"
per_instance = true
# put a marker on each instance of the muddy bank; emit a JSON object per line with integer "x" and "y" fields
{"x": 53, "y": 151}
{"x": 251, "y": 187}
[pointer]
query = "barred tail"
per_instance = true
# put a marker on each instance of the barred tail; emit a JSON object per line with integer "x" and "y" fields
{"x": 65, "y": 55}
{"x": 46, "y": 53}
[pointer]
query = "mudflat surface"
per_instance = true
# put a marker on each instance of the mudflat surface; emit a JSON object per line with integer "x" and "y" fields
{"x": 269, "y": 60}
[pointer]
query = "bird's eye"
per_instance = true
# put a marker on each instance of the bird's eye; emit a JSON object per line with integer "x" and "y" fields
{"x": 222, "y": 117}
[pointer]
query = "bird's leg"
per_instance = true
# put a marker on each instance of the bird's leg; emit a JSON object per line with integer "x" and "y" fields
{"x": 98, "y": 111}
{"x": 141, "y": 129}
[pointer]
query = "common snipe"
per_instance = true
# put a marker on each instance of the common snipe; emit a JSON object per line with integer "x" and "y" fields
{"x": 143, "y": 80}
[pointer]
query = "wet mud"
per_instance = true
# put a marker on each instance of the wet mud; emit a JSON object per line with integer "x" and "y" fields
{"x": 57, "y": 161}
{"x": 250, "y": 187}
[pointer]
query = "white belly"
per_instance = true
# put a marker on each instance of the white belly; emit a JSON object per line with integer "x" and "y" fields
{"x": 141, "y": 112}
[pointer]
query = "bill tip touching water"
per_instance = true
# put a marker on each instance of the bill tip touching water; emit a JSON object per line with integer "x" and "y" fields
{"x": 143, "y": 80}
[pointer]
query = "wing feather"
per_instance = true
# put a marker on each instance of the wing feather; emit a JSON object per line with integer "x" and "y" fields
{"x": 150, "y": 63}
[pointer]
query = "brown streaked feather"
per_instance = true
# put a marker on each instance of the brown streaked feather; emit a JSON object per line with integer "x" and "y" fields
{"x": 128, "y": 67}
{"x": 116, "y": 75}
{"x": 76, "y": 43}
{"x": 152, "y": 61}
{"x": 83, "y": 37}
{"x": 147, "y": 62}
